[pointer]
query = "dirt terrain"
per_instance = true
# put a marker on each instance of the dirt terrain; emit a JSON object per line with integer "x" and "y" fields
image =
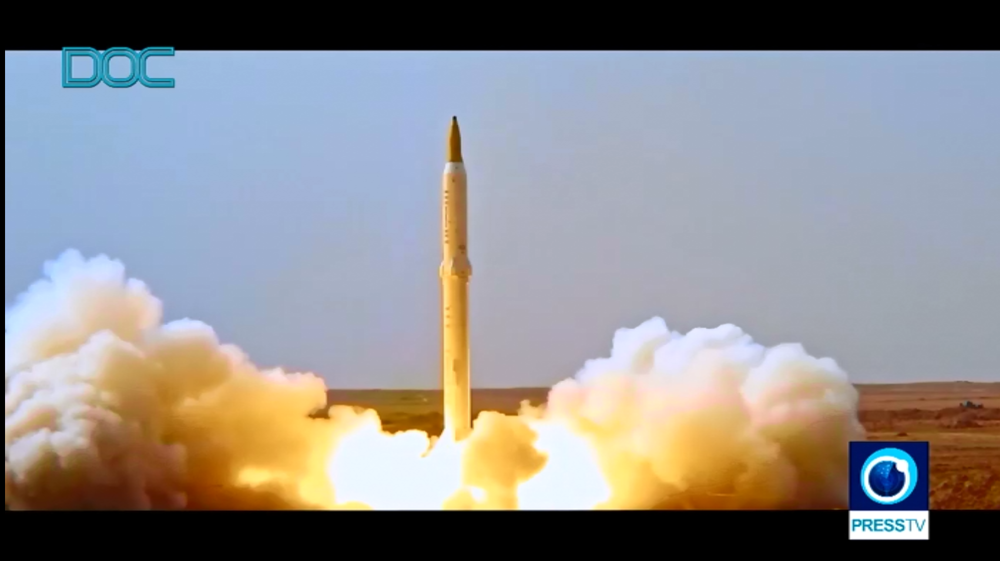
{"x": 965, "y": 441}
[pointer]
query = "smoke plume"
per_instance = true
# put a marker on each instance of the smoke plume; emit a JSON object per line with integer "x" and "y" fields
{"x": 106, "y": 407}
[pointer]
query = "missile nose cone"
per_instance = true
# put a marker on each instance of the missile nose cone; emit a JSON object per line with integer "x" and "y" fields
{"x": 454, "y": 142}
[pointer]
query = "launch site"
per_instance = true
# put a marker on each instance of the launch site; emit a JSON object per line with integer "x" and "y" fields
{"x": 501, "y": 281}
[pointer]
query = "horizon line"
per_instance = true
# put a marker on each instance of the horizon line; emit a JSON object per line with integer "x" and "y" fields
{"x": 547, "y": 388}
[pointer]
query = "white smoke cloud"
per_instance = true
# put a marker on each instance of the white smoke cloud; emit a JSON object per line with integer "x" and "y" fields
{"x": 714, "y": 413}
{"x": 108, "y": 408}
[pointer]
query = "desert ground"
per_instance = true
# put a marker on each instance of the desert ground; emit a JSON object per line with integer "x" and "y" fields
{"x": 965, "y": 441}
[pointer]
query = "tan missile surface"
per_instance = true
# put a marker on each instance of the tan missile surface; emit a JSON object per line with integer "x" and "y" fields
{"x": 456, "y": 270}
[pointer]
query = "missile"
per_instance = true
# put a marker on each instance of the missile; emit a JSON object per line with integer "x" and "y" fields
{"x": 455, "y": 272}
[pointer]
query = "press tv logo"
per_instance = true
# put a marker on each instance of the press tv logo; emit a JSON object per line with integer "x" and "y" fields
{"x": 890, "y": 491}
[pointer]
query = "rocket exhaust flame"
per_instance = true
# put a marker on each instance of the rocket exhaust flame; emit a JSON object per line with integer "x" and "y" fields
{"x": 106, "y": 407}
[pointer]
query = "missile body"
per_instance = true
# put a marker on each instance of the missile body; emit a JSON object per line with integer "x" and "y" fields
{"x": 455, "y": 272}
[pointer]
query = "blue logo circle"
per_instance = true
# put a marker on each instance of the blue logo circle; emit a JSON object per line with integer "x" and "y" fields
{"x": 889, "y": 476}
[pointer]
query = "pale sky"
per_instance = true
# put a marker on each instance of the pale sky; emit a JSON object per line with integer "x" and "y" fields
{"x": 847, "y": 201}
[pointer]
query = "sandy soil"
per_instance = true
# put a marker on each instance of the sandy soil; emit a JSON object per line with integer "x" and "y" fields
{"x": 965, "y": 442}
